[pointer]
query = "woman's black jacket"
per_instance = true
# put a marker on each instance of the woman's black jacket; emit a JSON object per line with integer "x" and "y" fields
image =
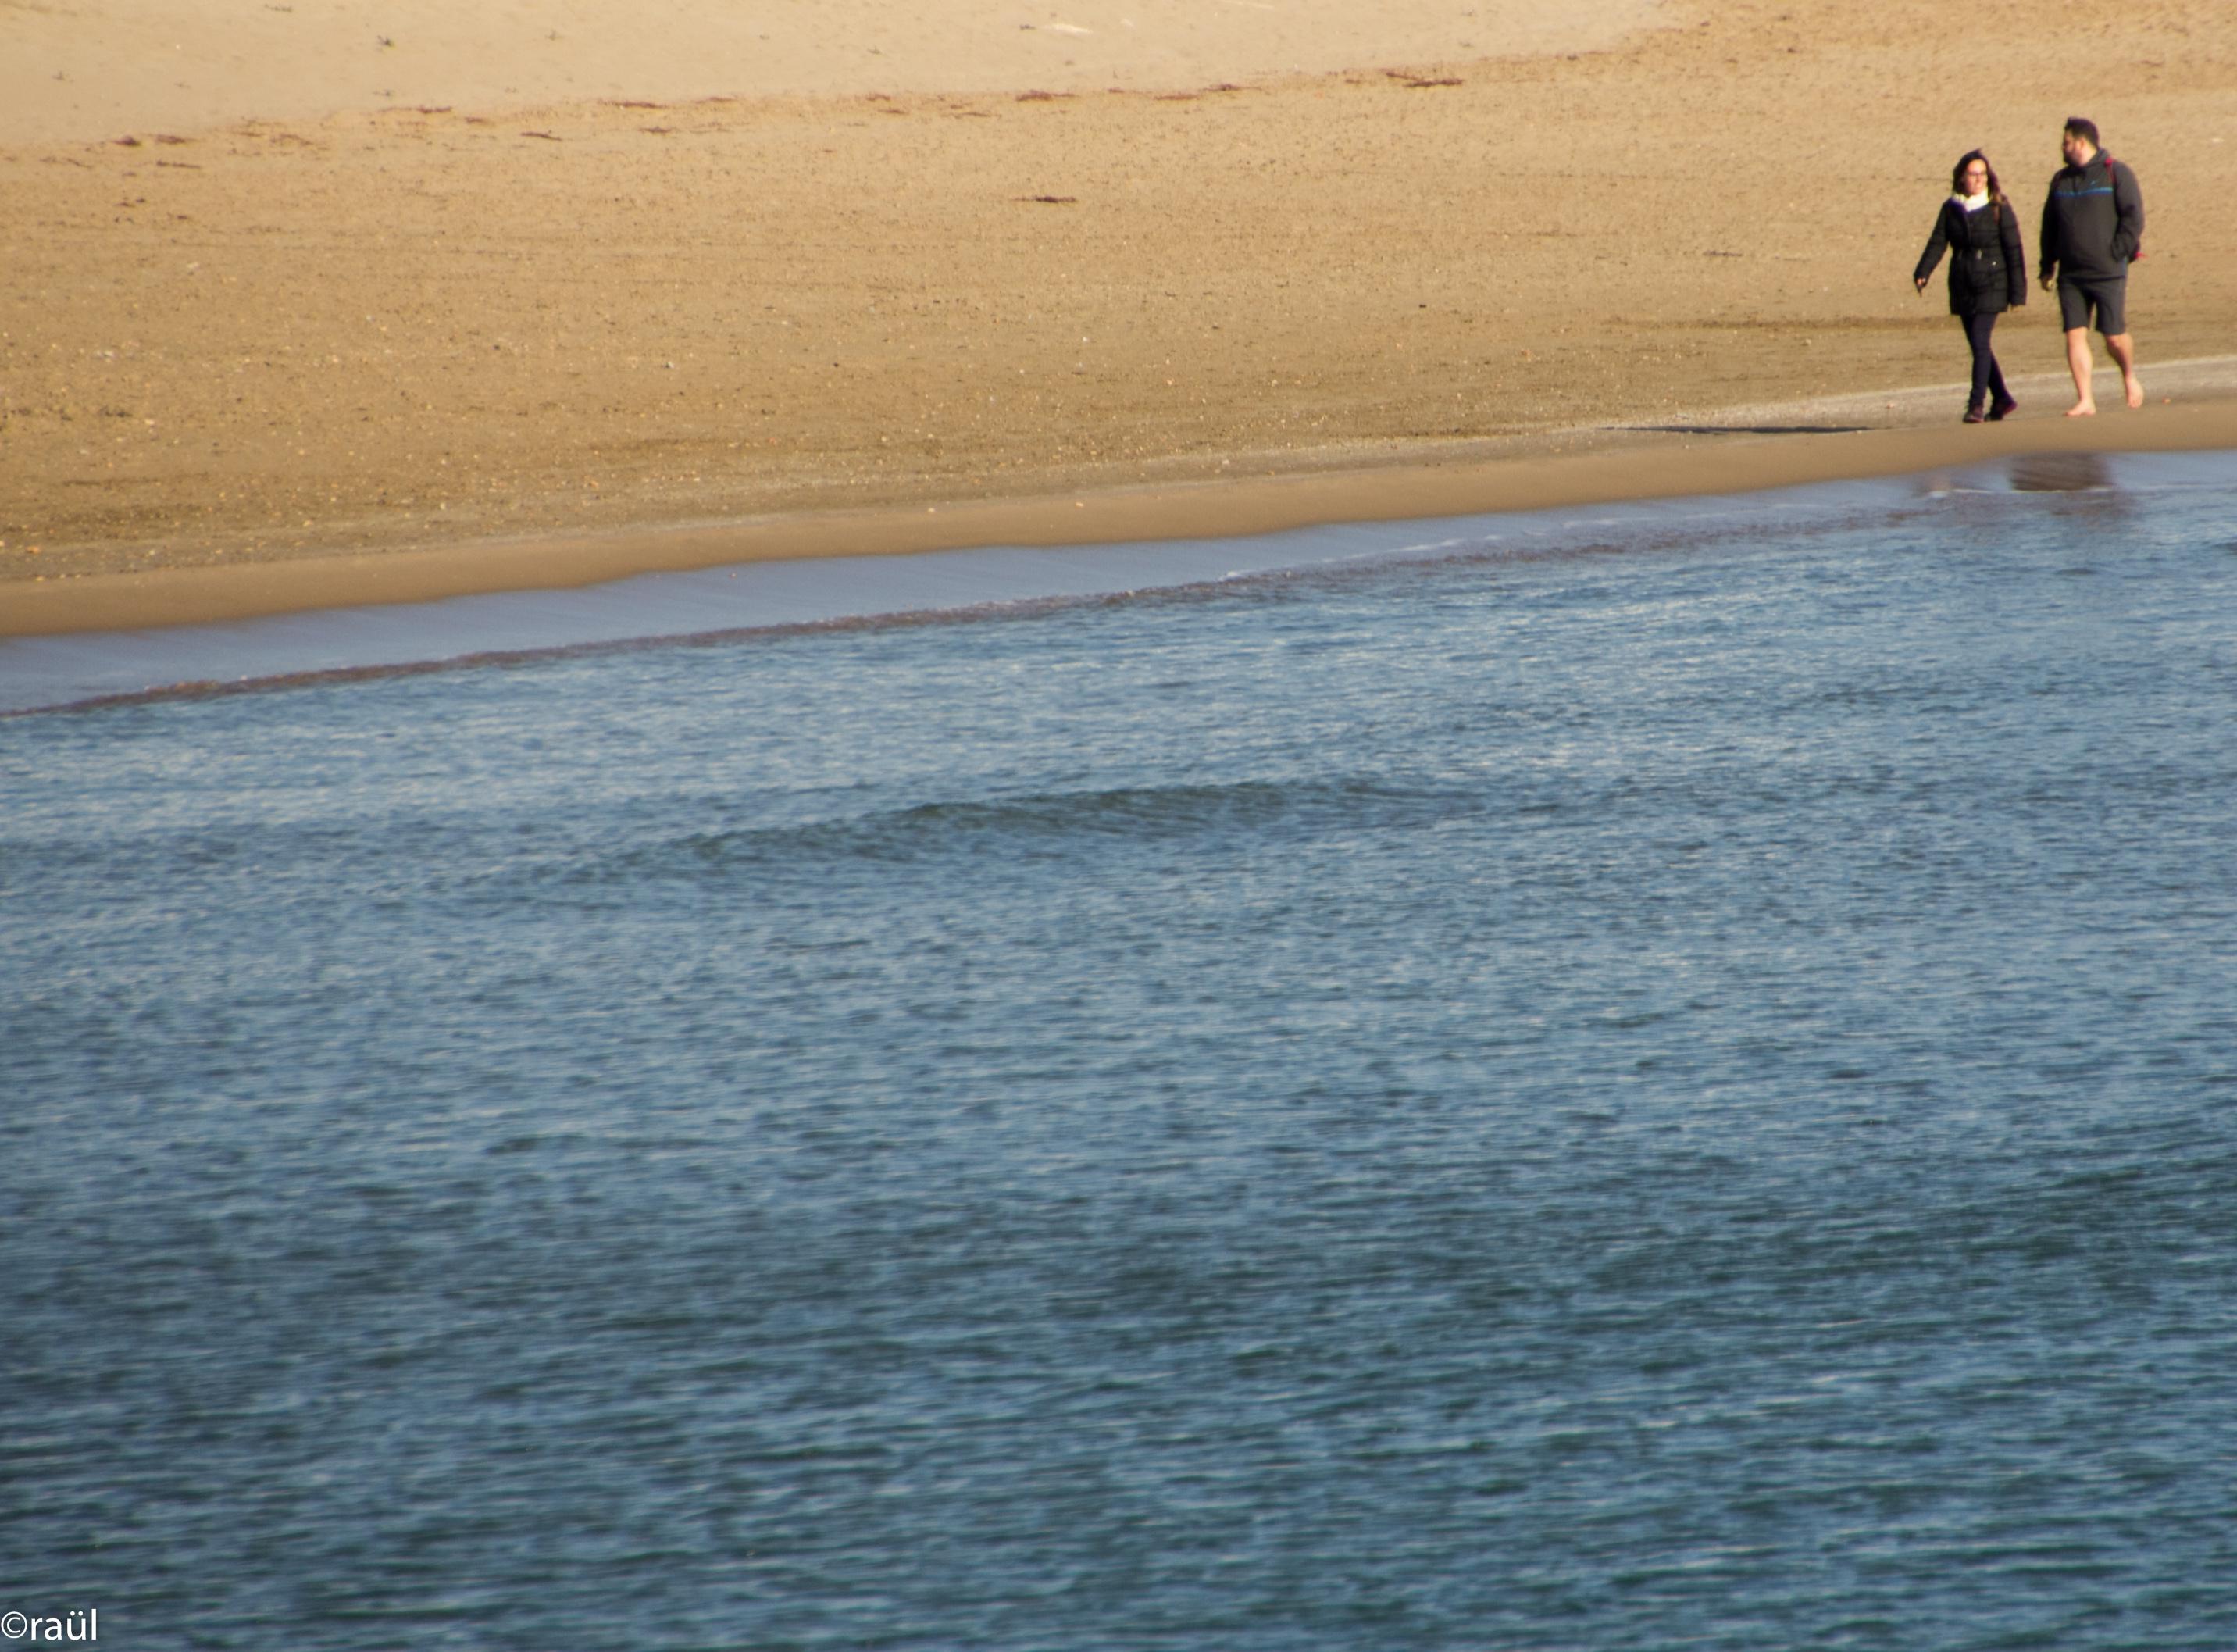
{"x": 1988, "y": 271}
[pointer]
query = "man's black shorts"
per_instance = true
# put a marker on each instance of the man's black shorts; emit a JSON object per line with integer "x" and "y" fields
{"x": 2110, "y": 298}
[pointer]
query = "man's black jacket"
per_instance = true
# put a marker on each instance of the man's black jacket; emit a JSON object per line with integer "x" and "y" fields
{"x": 2093, "y": 221}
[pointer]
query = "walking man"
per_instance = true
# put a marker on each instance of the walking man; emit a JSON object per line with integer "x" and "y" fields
{"x": 2092, "y": 229}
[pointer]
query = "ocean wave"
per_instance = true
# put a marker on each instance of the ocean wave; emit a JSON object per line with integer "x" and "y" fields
{"x": 1050, "y": 823}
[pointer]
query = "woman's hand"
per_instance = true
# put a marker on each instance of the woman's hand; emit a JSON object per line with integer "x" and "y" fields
{"x": 1919, "y": 281}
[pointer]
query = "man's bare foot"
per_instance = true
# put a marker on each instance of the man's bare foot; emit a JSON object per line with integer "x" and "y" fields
{"x": 2136, "y": 388}
{"x": 2082, "y": 410}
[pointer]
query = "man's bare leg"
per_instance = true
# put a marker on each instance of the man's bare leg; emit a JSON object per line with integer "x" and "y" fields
{"x": 2077, "y": 359}
{"x": 2123, "y": 351}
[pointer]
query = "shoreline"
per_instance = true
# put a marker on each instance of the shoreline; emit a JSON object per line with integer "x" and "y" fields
{"x": 1742, "y": 453}
{"x": 567, "y": 328}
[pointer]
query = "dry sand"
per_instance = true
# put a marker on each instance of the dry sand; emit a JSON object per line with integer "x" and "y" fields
{"x": 93, "y": 68}
{"x": 532, "y": 301}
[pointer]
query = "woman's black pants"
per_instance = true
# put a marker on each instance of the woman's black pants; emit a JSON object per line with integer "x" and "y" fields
{"x": 1988, "y": 377}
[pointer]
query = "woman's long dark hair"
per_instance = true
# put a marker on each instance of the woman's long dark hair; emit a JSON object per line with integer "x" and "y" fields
{"x": 1958, "y": 178}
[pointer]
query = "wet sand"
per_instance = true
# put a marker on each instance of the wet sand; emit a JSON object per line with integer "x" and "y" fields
{"x": 1620, "y": 466}
{"x": 513, "y": 330}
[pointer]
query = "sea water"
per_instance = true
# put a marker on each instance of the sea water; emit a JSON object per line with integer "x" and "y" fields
{"x": 1670, "y": 1083}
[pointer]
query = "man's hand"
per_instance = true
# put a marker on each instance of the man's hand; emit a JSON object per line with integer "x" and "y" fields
{"x": 2049, "y": 281}
{"x": 1919, "y": 281}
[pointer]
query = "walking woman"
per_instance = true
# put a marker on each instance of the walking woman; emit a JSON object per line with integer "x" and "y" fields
{"x": 1988, "y": 273}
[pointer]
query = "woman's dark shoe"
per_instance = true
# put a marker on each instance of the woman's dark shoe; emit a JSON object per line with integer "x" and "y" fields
{"x": 1975, "y": 416}
{"x": 2001, "y": 406}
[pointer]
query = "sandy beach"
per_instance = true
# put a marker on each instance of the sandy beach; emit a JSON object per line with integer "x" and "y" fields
{"x": 358, "y": 303}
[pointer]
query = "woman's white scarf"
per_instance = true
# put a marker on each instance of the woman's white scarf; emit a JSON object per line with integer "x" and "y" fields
{"x": 1972, "y": 203}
